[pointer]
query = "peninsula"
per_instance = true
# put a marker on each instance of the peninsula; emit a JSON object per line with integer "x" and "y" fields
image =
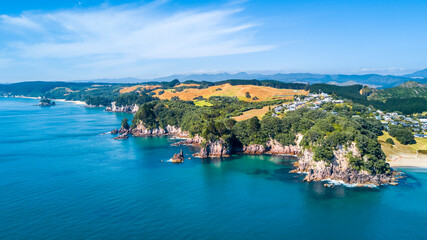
{"x": 341, "y": 133}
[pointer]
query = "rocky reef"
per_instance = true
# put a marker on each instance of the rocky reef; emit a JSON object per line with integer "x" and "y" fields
{"x": 339, "y": 169}
{"x": 126, "y": 109}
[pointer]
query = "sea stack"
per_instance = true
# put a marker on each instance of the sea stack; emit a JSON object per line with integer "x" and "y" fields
{"x": 178, "y": 158}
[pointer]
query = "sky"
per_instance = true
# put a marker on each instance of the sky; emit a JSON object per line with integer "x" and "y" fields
{"x": 92, "y": 39}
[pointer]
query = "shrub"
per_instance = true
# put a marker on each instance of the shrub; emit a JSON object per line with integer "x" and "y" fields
{"x": 389, "y": 140}
{"x": 125, "y": 123}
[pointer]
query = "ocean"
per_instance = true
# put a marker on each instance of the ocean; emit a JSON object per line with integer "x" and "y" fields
{"x": 62, "y": 178}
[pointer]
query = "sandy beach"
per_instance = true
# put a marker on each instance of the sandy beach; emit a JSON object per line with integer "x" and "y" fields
{"x": 407, "y": 160}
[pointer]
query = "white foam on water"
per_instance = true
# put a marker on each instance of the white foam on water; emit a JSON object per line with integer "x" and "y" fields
{"x": 340, "y": 182}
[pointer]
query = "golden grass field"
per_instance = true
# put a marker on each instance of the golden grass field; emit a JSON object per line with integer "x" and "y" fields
{"x": 142, "y": 87}
{"x": 253, "y": 113}
{"x": 261, "y": 92}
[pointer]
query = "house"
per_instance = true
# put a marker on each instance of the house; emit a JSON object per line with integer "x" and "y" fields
{"x": 420, "y": 135}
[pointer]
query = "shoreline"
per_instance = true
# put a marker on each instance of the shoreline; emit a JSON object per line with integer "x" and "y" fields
{"x": 407, "y": 160}
{"x": 57, "y": 100}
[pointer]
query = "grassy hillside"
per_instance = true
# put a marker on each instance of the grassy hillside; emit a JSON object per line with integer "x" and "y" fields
{"x": 256, "y": 93}
{"x": 393, "y": 151}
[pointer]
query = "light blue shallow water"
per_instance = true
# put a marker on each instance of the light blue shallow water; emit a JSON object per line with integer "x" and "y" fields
{"x": 60, "y": 179}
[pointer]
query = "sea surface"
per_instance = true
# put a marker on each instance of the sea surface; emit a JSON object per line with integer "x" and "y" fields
{"x": 61, "y": 179}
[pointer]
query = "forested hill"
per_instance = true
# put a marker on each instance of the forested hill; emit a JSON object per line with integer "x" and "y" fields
{"x": 407, "y": 100}
{"x": 406, "y": 90}
{"x": 411, "y": 97}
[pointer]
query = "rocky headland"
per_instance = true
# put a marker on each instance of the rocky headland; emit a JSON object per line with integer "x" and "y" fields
{"x": 338, "y": 169}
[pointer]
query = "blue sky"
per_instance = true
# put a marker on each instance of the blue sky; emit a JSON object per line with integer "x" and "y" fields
{"x": 87, "y": 39}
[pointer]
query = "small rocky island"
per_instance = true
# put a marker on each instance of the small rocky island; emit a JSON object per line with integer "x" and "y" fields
{"x": 46, "y": 103}
{"x": 178, "y": 157}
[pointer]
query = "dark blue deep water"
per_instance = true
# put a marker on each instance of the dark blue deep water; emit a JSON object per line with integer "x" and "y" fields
{"x": 61, "y": 179}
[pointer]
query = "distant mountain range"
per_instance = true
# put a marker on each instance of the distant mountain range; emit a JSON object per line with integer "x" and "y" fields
{"x": 418, "y": 74}
{"x": 372, "y": 80}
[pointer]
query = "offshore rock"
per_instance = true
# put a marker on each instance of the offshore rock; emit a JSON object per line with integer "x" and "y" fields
{"x": 178, "y": 157}
{"x": 115, "y": 131}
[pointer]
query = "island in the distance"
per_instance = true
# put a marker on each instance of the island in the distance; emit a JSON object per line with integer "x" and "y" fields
{"x": 46, "y": 103}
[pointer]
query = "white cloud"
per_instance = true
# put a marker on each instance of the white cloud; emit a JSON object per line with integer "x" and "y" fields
{"x": 128, "y": 33}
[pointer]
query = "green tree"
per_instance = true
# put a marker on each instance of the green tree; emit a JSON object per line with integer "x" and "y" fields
{"x": 125, "y": 123}
{"x": 390, "y": 141}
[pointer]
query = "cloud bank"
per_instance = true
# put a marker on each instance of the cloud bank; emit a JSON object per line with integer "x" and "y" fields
{"x": 108, "y": 35}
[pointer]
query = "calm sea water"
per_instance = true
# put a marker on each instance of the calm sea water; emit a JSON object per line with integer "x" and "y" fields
{"x": 61, "y": 179}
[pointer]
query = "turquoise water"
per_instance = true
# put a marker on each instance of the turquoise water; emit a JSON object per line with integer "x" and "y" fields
{"x": 61, "y": 179}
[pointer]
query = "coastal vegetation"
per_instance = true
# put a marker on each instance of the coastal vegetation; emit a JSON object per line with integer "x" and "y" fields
{"x": 322, "y": 132}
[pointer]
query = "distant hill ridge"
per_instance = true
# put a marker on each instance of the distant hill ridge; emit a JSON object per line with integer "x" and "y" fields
{"x": 418, "y": 74}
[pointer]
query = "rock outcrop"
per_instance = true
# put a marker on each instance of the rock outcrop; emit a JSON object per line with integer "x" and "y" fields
{"x": 339, "y": 169}
{"x": 122, "y": 137}
{"x": 141, "y": 130}
{"x": 194, "y": 141}
{"x": 178, "y": 157}
{"x": 46, "y": 103}
{"x": 127, "y": 109}
{"x": 272, "y": 147}
{"x": 217, "y": 148}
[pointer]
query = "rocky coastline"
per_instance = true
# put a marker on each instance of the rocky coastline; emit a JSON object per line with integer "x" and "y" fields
{"x": 126, "y": 109}
{"x": 338, "y": 169}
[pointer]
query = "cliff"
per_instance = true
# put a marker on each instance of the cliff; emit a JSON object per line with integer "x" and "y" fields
{"x": 217, "y": 148}
{"x": 141, "y": 130}
{"x": 127, "y": 109}
{"x": 339, "y": 169}
{"x": 275, "y": 148}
